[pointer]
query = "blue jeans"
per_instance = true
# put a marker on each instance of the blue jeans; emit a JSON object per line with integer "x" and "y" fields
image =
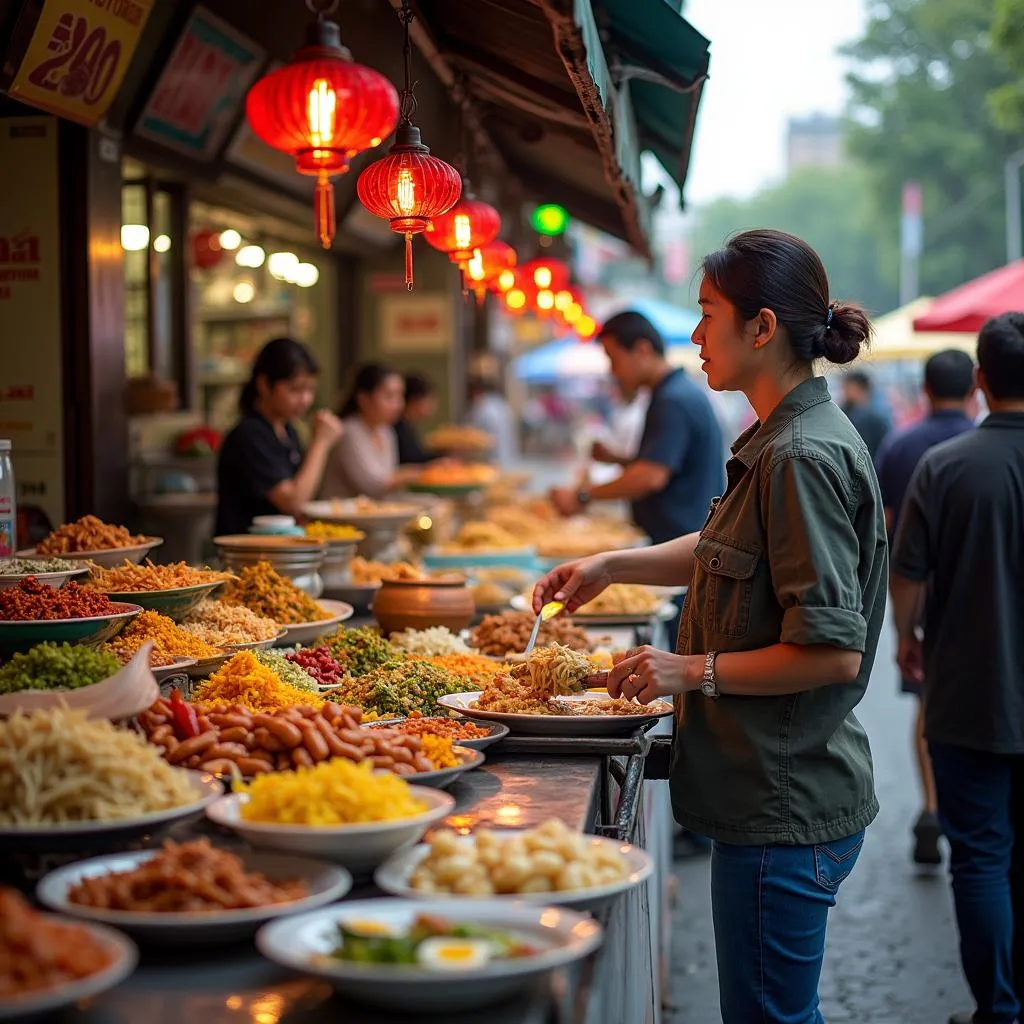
{"x": 981, "y": 812}
{"x": 770, "y": 905}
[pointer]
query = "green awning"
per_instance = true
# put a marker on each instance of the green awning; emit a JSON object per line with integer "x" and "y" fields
{"x": 664, "y": 59}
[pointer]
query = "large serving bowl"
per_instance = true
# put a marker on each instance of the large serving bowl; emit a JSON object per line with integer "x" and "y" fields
{"x": 306, "y": 632}
{"x": 123, "y": 695}
{"x": 325, "y": 883}
{"x": 106, "y": 558}
{"x": 302, "y": 943}
{"x": 175, "y": 603}
{"x": 297, "y": 558}
{"x": 87, "y": 836}
{"x": 123, "y": 957}
{"x": 51, "y": 579}
{"x": 419, "y": 604}
{"x": 20, "y": 635}
{"x": 360, "y": 848}
{"x": 337, "y": 561}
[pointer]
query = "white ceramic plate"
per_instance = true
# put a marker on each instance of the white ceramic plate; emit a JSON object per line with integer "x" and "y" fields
{"x": 560, "y": 725}
{"x": 444, "y": 777}
{"x": 303, "y": 944}
{"x": 496, "y": 732}
{"x": 80, "y": 834}
{"x": 304, "y": 632}
{"x": 124, "y": 957}
{"x": 394, "y": 874}
{"x": 178, "y": 667}
{"x": 325, "y": 882}
{"x": 357, "y": 847}
{"x": 346, "y": 512}
{"x": 107, "y": 558}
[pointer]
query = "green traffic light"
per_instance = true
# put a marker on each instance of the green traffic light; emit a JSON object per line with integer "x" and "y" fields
{"x": 550, "y": 219}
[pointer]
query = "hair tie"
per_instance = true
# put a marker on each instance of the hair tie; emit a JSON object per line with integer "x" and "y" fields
{"x": 828, "y": 318}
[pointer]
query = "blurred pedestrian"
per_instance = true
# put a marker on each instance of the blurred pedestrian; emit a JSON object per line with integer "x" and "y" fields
{"x": 489, "y": 411}
{"x": 948, "y": 391}
{"x": 960, "y": 550}
{"x": 420, "y": 406}
{"x": 858, "y": 404}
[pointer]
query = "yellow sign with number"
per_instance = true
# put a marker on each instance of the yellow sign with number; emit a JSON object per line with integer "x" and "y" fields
{"x": 78, "y": 55}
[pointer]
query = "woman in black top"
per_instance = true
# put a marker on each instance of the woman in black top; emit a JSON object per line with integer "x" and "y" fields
{"x": 420, "y": 405}
{"x": 262, "y": 469}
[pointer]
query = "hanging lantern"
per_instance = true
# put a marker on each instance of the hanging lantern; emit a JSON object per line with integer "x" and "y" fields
{"x": 468, "y": 225}
{"x": 409, "y": 186}
{"x": 207, "y": 251}
{"x": 322, "y": 108}
{"x": 547, "y": 275}
{"x": 488, "y": 263}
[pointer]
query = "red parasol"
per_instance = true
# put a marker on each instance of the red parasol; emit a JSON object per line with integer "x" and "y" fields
{"x": 968, "y": 307}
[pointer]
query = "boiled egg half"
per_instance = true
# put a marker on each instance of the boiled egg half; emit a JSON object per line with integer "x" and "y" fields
{"x": 445, "y": 954}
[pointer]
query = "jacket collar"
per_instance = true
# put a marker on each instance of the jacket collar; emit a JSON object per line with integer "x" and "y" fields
{"x": 749, "y": 445}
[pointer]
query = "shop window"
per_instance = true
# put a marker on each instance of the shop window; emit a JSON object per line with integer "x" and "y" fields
{"x": 249, "y": 285}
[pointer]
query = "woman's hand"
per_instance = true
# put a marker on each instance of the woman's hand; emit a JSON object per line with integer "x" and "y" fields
{"x": 327, "y": 428}
{"x": 574, "y": 583}
{"x": 648, "y": 673}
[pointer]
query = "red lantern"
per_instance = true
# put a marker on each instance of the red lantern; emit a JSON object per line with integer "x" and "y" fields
{"x": 408, "y": 187}
{"x": 547, "y": 275}
{"x": 206, "y": 249}
{"x": 487, "y": 264}
{"x": 468, "y": 225}
{"x": 323, "y": 108}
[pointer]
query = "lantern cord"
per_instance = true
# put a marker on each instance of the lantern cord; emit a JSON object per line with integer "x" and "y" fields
{"x": 407, "y": 101}
{"x": 408, "y": 261}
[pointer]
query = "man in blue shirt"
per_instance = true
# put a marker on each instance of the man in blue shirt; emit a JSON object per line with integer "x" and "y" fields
{"x": 949, "y": 388}
{"x": 679, "y": 466}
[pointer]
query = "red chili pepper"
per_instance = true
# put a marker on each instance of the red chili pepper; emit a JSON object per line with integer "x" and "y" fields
{"x": 186, "y": 722}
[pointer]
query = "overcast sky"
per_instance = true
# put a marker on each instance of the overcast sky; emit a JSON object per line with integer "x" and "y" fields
{"x": 770, "y": 60}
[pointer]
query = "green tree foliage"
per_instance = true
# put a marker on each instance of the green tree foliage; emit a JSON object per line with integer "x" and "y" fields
{"x": 1007, "y": 101}
{"x": 831, "y": 210}
{"x": 922, "y": 77}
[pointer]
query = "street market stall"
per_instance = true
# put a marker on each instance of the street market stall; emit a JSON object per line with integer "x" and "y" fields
{"x": 303, "y": 775}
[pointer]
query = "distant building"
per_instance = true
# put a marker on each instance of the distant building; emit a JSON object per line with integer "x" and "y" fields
{"x": 815, "y": 141}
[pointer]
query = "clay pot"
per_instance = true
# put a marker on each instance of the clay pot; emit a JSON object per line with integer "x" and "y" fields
{"x": 419, "y": 604}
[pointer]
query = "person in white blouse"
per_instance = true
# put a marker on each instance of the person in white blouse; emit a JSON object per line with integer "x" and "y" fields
{"x": 367, "y": 463}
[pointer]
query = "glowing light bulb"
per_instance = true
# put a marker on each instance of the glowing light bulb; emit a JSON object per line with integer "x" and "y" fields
{"x": 305, "y": 275}
{"x": 162, "y": 243}
{"x": 244, "y": 292}
{"x": 545, "y": 299}
{"x": 573, "y": 313}
{"x": 516, "y": 299}
{"x": 463, "y": 231}
{"x": 542, "y": 277}
{"x": 230, "y": 239}
{"x": 323, "y": 103}
{"x": 282, "y": 265}
{"x": 506, "y": 280}
{"x": 251, "y": 256}
{"x": 563, "y": 300}
{"x": 475, "y": 267}
{"x": 134, "y": 237}
{"x": 405, "y": 191}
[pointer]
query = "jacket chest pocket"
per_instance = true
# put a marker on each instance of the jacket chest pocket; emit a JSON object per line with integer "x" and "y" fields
{"x": 729, "y": 586}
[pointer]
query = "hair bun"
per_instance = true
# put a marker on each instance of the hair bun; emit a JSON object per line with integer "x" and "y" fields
{"x": 848, "y": 331}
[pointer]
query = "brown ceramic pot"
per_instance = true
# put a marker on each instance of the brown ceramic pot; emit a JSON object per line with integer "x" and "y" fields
{"x": 419, "y": 604}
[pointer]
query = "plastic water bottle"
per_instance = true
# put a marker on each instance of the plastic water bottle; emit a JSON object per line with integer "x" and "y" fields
{"x": 8, "y": 503}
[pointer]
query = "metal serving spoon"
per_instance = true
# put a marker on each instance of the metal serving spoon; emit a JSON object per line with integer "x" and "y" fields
{"x": 549, "y": 611}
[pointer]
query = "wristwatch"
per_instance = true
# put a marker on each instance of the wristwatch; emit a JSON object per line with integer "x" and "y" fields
{"x": 708, "y": 683}
{"x": 583, "y": 497}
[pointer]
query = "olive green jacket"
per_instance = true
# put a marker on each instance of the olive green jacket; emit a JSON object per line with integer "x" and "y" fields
{"x": 793, "y": 552}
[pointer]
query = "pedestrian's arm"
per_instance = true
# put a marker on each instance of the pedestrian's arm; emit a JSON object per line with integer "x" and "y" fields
{"x": 907, "y": 602}
{"x": 290, "y": 496}
{"x": 638, "y": 480}
{"x": 912, "y": 552}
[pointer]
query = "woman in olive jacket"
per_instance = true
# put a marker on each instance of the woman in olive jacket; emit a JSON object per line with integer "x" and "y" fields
{"x": 787, "y": 590}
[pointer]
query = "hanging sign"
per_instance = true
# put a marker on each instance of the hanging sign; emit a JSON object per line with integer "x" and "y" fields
{"x": 199, "y": 95}
{"x": 78, "y": 55}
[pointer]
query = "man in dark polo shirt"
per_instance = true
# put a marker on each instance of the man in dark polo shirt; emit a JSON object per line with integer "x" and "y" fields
{"x": 680, "y": 464}
{"x": 949, "y": 389}
{"x": 961, "y": 532}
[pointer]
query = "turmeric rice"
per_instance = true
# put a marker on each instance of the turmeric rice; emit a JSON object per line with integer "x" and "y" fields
{"x": 243, "y": 680}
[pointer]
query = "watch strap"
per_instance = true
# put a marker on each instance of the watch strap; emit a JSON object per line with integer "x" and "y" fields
{"x": 708, "y": 683}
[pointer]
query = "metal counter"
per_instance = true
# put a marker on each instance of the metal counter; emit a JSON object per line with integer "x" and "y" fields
{"x": 618, "y": 985}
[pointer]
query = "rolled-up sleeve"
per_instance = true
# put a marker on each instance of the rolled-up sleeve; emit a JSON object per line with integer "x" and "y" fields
{"x": 912, "y": 548}
{"x": 814, "y": 554}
